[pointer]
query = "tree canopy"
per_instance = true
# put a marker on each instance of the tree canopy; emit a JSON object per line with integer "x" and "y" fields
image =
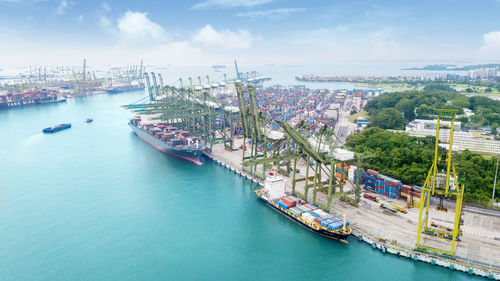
{"x": 409, "y": 159}
{"x": 395, "y": 110}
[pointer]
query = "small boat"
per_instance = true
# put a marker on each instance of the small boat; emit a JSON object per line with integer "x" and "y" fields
{"x": 89, "y": 120}
{"x": 56, "y": 128}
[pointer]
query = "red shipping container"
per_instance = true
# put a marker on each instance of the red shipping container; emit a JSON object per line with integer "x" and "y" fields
{"x": 289, "y": 202}
{"x": 309, "y": 207}
{"x": 289, "y": 206}
{"x": 368, "y": 196}
{"x": 372, "y": 172}
{"x": 405, "y": 188}
{"x": 394, "y": 183}
{"x": 318, "y": 220}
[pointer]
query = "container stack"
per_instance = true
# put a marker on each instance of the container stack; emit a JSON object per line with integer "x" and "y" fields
{"x": 310, "y": 213}
{"x": 394, "y": 188}
{"x": 405, "y": 191}
{"x": 352, "y": 175}
{"x": 370, "y": 178}
{"x": 379, "y": 184}
{"x": 289, "y": 202}
{"x": 338, "y": 171}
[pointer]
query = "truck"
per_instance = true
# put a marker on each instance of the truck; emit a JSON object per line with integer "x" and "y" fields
{"x": 389, "y": 207}
{"x": 370, "y": 197}
{"x": 400, "y": 208}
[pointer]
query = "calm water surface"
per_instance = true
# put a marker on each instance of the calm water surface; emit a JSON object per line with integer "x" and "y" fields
{"x": 96, "y": 203}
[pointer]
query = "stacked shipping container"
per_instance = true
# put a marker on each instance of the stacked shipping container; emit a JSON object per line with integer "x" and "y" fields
{"x": 387, "y": 186}
{"x": 310, "y": 212}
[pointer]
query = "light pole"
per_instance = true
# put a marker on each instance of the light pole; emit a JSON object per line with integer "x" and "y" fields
{"x": 495, "y": 182}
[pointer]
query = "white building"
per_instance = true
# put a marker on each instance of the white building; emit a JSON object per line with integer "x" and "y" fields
{"x": 461, "y": 140}
{"x": 421, "y": 124}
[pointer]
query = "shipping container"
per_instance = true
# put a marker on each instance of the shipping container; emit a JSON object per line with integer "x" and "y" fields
{"x": 389, "y": 207}
{"x": 303, "y": 208}
{"x": 283, "y": 205}
{"x": 319, "y": 219}
{"x": 310, "y": 206}
{"x": 335, "y": 226}
{"x": 370, "y": 197}
{"x": 313, "y": 213}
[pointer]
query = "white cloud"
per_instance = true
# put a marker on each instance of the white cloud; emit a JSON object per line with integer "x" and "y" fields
{"x": 271, "y": 14}
{"x": 62, "y": 7}
{"x": 105, "y": 7}
{"x": 491, "y": 46}
{"x": 137, "y": 26}
{"x": 226, "y": 39}
{"x": 230, "y": 3}
{"x": 106, "y": 24}
{"x": 80, "y": 18}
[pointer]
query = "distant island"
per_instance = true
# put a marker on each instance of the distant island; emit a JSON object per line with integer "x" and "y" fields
{"x": 452, "y": 67}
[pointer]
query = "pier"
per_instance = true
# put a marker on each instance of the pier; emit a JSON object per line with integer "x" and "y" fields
{"x": 250, "y": 142}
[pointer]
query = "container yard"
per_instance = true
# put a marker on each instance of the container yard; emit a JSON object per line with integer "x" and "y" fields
{"x": 478, "y": 252}
{"x": 288, "y": 130}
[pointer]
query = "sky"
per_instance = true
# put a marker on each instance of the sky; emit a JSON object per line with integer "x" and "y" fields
{"x": 286, "y": 32}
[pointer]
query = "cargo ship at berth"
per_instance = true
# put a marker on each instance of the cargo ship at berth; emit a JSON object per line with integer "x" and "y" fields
{"x": 170, "y": 140}
{"x": 28, "y": 99}
{"x": 125, "y": 88}
{"x": 306, "y": 215}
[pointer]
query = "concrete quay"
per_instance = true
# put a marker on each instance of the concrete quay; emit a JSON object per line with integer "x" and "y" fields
{"x": 477, "y": 253}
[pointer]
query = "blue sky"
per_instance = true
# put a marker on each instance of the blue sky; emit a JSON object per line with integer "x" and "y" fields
{"x": 253, "y": 31}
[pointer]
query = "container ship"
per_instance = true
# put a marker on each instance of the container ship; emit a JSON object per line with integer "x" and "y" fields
{"x": 306, "y": 215}
{"x": 29, "y": 98}
{"x": 125, "y": 88}
{"x": 170, "y": 140}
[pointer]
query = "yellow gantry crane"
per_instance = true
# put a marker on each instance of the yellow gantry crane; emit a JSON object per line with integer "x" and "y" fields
{"x": 444, "y": 186}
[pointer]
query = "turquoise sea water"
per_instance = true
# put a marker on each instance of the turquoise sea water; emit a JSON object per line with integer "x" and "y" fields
{"x": 96, "y": 203}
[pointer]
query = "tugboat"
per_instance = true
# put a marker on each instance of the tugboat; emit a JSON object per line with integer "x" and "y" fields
{"x": 89, "y": 120}
{"x": 56, "y": 128}
{"x": 306, "y": 215}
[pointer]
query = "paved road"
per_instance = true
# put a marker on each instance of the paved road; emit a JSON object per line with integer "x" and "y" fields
{"x": 343, "y": 127}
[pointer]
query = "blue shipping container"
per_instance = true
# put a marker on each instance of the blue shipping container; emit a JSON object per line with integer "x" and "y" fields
{"x": 283, "y": 205}
{"x": 315, "y": 214}
{"x": 335, "y": 226}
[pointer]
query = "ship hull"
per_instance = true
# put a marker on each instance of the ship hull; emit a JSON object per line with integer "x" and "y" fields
{"x": 31, "y": 102}
{"x": 331, "y": 235}
{"x": 56, "y": 129}
{"x": 193, "y": 156}
{"x": 118, "y": 91}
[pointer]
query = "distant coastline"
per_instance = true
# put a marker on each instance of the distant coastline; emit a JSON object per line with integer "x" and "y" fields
{"x": 452, "y": 67}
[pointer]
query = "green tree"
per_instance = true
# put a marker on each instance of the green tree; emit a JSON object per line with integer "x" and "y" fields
{"x": 388, "y": 118}
{"x": 409, "y": 159}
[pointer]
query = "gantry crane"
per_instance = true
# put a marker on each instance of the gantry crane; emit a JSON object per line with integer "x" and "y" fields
{"x": 444, "y": 186}
{"x": 188, "y": 109}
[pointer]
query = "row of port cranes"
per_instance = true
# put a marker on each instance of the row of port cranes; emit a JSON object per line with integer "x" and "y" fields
{"x": 323, "y": 155}
{"x": 75, "y": 80}
{"x": 198, "y": 109}
{"x": 195, "y": 107}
